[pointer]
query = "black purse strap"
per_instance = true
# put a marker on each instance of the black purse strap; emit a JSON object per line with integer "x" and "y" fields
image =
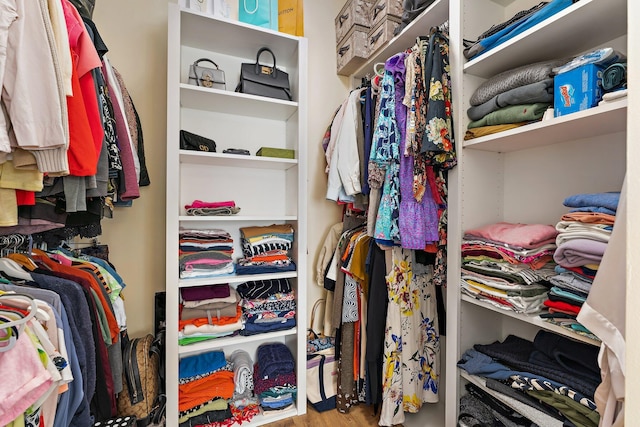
{"x": 206, "y": 60}
{"x": 260, "y": 52}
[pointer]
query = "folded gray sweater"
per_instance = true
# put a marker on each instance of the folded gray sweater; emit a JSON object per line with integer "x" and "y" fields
{"x": 513, "y": 78}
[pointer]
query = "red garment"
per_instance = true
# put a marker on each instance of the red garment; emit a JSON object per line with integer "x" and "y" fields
{"x": 563, "y": 306}
{"x": 85, "y": 124}
{"x": 82, "y": 152}
{"x": 25, "y": 198}
{"x": 90, "y": 98}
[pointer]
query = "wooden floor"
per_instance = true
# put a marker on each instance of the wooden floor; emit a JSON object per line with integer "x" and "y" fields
{"x": 358, "y": 416}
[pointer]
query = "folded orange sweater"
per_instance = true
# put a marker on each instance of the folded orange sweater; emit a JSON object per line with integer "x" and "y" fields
{"x": 199, "y": 321}
{"x": 194, "y": 393}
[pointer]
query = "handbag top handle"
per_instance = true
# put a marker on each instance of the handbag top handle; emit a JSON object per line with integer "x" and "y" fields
{"x": 205, "y": 60}
{"x": 260, "y": 52}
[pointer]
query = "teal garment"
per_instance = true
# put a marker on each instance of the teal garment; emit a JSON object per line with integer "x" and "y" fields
{"x": 385, "y": 152}
{"x": 569, "y": 295}
{"x": 512, "y": 114}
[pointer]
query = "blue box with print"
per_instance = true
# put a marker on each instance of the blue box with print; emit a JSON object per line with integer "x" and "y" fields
{"x": 577, "y": 90}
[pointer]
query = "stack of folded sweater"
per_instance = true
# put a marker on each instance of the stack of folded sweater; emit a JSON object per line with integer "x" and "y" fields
{"x": 200, "y": 208}
{"x": 275, "y": 378}
{"x": 266, "y": 249}
{"x": 205, "y": 385}
{"x": 508, "y": 265}
{"x": 583, "y": 236}
{"x": 267, "y": 306}
{"x": 553, "y": 374}
{"x": 208, "y": 312}
{"x": 205, "y": 253}
{"x": 511, "y": 99}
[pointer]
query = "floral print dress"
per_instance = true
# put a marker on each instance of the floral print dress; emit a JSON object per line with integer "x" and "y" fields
{"x": 385, "y": 152}
{"x": 411, "y": 359}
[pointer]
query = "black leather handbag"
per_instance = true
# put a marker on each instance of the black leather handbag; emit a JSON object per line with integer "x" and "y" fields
{"x": 263, "y": 80}
{"x": 191, "y": 141}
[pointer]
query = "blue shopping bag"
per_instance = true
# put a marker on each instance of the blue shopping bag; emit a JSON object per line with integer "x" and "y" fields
{"x": 263, "y": 13}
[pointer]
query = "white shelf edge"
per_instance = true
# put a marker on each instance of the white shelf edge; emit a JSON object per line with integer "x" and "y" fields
{"x": 234, "y": 278}
{"x": 214, "y": 344}
{"x": 233, "y": 94}
{"x": 581, "y": 121}
{"x": 532, "y": 320}
{"x": 236, "y": 160}
{"x": 236, "y": 218}
{"x": 541, "y": 418}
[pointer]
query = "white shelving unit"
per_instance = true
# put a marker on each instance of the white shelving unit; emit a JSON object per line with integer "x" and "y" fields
{"x": 523, "y": 175}
{"x": 268, "y": 190}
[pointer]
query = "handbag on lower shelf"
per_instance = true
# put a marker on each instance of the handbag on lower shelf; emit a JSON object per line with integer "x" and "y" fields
{"x": 263, "y": 80}
{"x": 192, "y": 141}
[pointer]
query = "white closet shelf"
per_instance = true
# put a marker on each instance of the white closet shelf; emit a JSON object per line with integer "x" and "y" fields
{"x": 202, "y": 31}
{"x": 436, "y": 14}
{"x": 565, "y": 34}
{"x": 235, "y": 278}
{"x": 538, "y": 417}
{"x": 597, "y": 121}
{"x": 236, "y": 218}
{"x": 533, "y": 320}
{"x": 228, "y": 102}
{"x": 220, "y": 343}
{"x": 236, "y": 160}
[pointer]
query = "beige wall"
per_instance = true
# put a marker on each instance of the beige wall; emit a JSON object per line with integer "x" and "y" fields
{"x": 136, "y": 33}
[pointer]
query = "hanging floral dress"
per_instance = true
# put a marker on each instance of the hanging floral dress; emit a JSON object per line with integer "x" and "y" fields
{"x": 385, "y": 153}
{"x": 411, "y": 355}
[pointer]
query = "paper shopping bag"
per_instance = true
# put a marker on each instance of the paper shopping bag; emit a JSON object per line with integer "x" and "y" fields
{"x": 291, "y": 17}
{"x": 263, "y": 13}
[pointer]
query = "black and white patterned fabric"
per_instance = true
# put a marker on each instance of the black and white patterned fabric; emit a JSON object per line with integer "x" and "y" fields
{"x": 129, "y": 421}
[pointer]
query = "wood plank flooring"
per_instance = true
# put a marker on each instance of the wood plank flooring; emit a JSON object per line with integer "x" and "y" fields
{"x": 358, "y": 416}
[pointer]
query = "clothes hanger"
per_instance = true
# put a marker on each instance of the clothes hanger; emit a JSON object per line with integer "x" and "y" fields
{"x": 13, "y": 269}
{"x": 21, "y": 304}
{"x": 20, "y": 322}
{"x": 378, "y": 69}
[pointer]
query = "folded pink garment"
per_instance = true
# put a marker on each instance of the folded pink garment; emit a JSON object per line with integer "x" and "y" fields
{"x": 200, "y": 204}
{"x": 526, "y": 236}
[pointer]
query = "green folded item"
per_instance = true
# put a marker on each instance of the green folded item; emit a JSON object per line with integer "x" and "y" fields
{"x": 276, "y": 152}
{"x": 512, "y": 114}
